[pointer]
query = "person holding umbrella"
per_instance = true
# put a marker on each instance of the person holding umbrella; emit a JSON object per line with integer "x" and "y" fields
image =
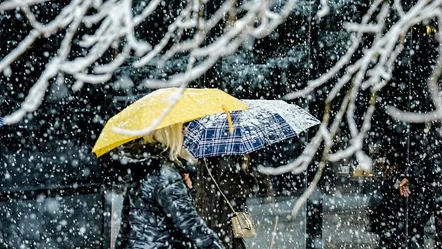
{"x": 238, "y": 179}
{"x": 227, "y": 144}
{"x": 234, "y": 177}
{"x": 158, "y": 211}
{"x": 146, "y": 140}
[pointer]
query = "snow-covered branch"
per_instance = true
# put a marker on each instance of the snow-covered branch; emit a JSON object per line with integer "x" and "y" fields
{"x": 371, "y": 71}
{"x": 112, "y": 39}
{"x": 115, "y": 21}
{"x": 12, "y": 4}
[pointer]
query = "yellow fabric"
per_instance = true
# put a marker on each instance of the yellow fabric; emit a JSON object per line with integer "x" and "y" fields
{"x": 193, "y": 104}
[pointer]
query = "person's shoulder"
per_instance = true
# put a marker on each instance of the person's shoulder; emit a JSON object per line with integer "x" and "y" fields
{"x": 162, "y": 178}
{"x": 168, "y": 174}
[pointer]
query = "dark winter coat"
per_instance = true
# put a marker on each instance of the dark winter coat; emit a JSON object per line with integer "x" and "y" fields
{"x": 211, "y": 205}
{"x": 425, "y": 169}
{"x": 424, "y": 172}
{"x": 162, "y": 213}
{"x": 383, "y": 207}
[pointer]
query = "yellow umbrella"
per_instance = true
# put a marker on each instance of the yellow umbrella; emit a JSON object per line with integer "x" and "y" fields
{"x": 193, "y": 104}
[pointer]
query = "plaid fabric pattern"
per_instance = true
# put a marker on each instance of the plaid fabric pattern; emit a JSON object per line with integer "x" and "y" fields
{"x": 299, "y": 119}
{"x": 252, "y": 130}
{"x": 1, "y": 122}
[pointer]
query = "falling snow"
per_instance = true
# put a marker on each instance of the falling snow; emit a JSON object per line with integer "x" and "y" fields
{"x": 368, "y": 71}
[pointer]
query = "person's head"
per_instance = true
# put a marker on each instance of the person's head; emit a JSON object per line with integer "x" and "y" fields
{"x": 172, "y": 137}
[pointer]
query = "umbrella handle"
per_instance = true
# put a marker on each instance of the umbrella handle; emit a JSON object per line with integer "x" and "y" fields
{"x": 229, "y": 118}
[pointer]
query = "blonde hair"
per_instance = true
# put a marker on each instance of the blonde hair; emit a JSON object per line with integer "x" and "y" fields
{"x": 245, "y": 163}
{"x": 172, "y": 137}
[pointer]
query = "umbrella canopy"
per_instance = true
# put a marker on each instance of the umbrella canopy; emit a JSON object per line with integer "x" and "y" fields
{"x": 193, "y": 104}
{"x": 266, "y": 122}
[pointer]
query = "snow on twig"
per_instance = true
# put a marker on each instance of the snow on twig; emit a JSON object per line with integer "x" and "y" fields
{"x": 60, "y": 22}
{"x": 37, "y": 92}
{"x": 372, "y": 70}
{"x": 173, "y": 101}
{"x": 325, "y": 9}
{"x": 12, "y": 4}
{"x": 115, "y": 22}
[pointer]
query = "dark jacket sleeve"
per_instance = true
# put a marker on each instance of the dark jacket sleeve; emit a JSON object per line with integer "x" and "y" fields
{"x": 173, "y": 197}
{"x": 423, "y": 168}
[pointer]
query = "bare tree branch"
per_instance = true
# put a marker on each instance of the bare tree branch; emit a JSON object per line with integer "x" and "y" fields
{"x": 115, "y": 21}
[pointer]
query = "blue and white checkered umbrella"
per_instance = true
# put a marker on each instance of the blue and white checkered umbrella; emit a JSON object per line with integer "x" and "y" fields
{"x": 265, "y": 123}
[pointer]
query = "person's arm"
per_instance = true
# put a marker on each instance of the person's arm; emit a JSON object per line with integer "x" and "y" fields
{"x": 178, "y": 206}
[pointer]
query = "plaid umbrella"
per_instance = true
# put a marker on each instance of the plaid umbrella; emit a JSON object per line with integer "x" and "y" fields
{"x": 266, "y": 122}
